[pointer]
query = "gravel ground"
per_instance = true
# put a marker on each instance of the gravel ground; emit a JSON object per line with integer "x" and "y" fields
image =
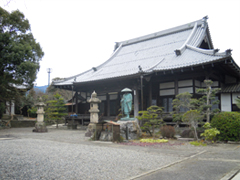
{"x": 68, "y": 154}
{"x": 37, "y": 158}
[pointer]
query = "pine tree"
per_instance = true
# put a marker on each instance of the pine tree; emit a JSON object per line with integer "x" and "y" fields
{"x": 56, "y": 109}
{"x": 208, "y": 99}
{"x": 152, "y": 119}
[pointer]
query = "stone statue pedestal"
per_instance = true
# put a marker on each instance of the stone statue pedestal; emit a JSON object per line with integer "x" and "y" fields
{"x": 130, "y": 129}
{"x": 127, "y": 119}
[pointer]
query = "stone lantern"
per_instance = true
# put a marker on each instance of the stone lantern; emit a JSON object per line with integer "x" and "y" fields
{"x": 94, "y": 108}
{"x": 94, "y": 126}
{"x": 40, "y": 125}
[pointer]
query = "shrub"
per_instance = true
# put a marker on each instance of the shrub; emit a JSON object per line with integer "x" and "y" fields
{"x": 210, "y": 133}
{"x": 228, "y": 123}
{"x": 188, "y": 133}
{"x": 168, "y": 131}
{"x": 198, "y": 143}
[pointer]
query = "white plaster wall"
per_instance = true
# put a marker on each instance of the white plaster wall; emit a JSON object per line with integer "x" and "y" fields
{"x": 166, "y": 85}
{"x": 102, "y": 98}
{"x": 197, "y": 83}
{"x": 167, "y": 92}
{"x": 84, "y": 95}
{"x": 215, "y": 83}
{"x": 226, "y": 102}
{"x": 113, "y": 96}
{"x": 185, "y": 83}
{"x": 182, "y": 90}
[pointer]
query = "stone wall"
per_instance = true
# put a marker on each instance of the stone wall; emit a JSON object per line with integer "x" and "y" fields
{"x": 24, "y": 123}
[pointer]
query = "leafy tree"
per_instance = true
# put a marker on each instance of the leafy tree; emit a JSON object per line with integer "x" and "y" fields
{"x": 56, "y": 109}
{"x": 19, "y": 55}
{"x": 152, "y": 119}
{"x": 208, "y": 99}
{"x": 192, "y": 117}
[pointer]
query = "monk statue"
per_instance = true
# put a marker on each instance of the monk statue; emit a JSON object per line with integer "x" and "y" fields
{"x": 126, "y": 102}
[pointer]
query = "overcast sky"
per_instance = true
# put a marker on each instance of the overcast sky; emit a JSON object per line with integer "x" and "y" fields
{"x": 77, "y": 35}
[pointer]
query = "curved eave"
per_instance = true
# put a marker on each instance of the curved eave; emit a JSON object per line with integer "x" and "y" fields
{"x": 74, "y": 79}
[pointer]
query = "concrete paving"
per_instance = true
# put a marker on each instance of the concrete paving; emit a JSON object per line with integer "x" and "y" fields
{"x": 213, "y": 162}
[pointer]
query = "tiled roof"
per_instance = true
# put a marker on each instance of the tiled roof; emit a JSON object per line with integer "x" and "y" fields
{"x": 165, "y": 50}
{"x": 233, "y": 88}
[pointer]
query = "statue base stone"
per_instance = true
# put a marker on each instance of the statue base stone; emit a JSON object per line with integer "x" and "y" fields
{"x": 40, "y": 127}
{"x": 106, "y": 136}
{"x": 127, "y": 119}
{"x": 94, "y": 130}
{"x": 130, "y": 130}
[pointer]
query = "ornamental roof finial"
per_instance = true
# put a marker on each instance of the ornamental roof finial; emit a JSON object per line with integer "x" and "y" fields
{"x": 205, "y": 18}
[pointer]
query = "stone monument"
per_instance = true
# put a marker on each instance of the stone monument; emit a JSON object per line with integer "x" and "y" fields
{"x": 40, "y": 125}
{"x": 129, "y": 127}
{"x": 93, "y": 127}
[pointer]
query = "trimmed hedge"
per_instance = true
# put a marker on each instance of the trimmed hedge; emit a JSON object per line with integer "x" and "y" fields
{"x": 228, "y": 123}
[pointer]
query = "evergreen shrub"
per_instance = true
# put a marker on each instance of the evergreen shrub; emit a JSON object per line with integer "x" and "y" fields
{"x": 228, "y": 123}
{"x": 168, "y": 131}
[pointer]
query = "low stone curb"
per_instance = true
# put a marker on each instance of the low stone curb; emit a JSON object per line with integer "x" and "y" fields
{"x": 163, "y": 167}
{"x": 231, "y": 174}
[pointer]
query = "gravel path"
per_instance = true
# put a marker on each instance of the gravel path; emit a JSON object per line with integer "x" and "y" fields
{"x": 32, "y": 158}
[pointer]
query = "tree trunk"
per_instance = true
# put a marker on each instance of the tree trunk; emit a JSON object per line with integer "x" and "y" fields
{"x": 208, "y": 102}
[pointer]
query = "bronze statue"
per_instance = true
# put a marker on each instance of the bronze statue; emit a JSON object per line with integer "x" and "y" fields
{"x": 126, "y": 102}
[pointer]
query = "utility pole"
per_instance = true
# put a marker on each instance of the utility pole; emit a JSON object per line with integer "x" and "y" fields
{"x": 49, "y": 70}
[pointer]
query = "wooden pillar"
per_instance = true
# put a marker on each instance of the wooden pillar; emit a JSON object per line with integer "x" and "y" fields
{"x": 108, "y": 105}
{"x": 136, "y": 101}
{"x": 150, "y": 94}
{"x": 76, "y": 102}
{"x": 176, "y": 86}
{"x": 118, "y": 102}
{"x": 193, "y": 86}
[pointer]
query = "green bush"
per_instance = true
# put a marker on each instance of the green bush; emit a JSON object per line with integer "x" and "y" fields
{"x": 228, "y": 123}
{"x": 209, "y": 133}
{"x": 168, "y": 131}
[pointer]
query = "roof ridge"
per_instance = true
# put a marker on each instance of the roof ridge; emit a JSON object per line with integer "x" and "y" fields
{"x": 209, "y": 51}
{"x": 164, "y": 32}
{"x": 183, "y": 47}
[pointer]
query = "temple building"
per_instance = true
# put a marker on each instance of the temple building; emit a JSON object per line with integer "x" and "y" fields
{"x": 157, "y": 67}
